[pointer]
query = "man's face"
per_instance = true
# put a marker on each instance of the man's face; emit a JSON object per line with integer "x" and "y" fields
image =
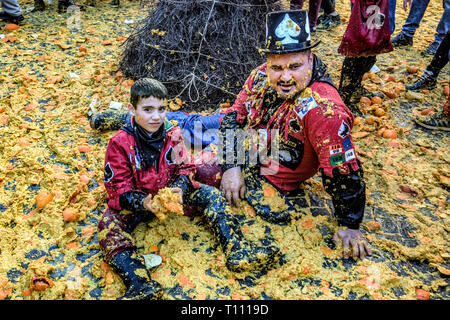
{"x": 289, "y": 73}
{"x": 149, "y": 113}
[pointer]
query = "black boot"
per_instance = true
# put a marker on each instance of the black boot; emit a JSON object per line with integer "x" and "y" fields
{"x": 64, "y": 4}
{"x": 241, "y": 255}
{"x": 39, "y": 5}
{"x": 328, "y": 22}
{"x": 427, "y": 81}
{"x": 402, "y": 40}
{"x": 108, "y": 120}
{"x": 13, "y": 19}
{"x": 255, "y": 194}
{"x": 135, "y": 277}
{"x": 115, "y": 3}
{"x": 431, "y": 49}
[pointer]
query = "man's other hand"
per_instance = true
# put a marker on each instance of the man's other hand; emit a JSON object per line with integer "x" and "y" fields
{"x": 233, "y": 186}
{"x": 355, "y": 239}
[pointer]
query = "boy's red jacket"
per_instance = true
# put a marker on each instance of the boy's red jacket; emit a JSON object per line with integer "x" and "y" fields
{"x": 123, "y": 170}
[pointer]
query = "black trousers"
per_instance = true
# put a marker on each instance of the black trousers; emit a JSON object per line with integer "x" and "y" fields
{"x": 327, "y": 6}
{"x": 441, "y": 57}
{"x": 353, "y": 70}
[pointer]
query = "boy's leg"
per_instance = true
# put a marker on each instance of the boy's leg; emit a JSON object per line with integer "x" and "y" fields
{"x": 240, "y": 254}
{"x": 254, "y": 194}
{"x": 135, "y": 276}
{"x": 120, "y": 253}
{"x": 113, "y": 235}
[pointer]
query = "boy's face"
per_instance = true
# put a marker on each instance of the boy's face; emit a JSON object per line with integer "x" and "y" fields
{"x": 149, "y": 113}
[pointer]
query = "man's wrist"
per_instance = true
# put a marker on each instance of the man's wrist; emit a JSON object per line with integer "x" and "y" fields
{"x": 226, "y": 167}
{"x": 353, "y": 226}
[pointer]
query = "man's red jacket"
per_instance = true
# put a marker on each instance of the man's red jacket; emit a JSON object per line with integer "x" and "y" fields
{"x": 315, "y": 134}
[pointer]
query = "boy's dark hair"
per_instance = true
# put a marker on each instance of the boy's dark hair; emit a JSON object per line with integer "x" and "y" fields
{"x": 145, "y": 88}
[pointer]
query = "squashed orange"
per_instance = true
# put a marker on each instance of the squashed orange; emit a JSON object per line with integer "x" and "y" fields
{"x": 43, "y": 198}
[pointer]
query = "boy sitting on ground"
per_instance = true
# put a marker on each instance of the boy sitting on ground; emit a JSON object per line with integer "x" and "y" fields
{"x": 147, "y": 154}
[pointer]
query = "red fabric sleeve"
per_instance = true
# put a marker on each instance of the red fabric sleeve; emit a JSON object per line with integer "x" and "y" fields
{"x": 328, "y": 128}
{"x": 121, "y": 179}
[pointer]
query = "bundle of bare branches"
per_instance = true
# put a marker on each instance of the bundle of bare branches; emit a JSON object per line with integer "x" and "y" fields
{"x": 202, "y": 50}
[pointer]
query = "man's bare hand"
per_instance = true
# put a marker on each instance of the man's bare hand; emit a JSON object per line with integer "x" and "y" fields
{"x": 355, "y": 239}
{"x": 233, "y": 186}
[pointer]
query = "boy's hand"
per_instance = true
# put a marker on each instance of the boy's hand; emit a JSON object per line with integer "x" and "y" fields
{"x": 178, "y": 190}
{"x": 148, "y": 204}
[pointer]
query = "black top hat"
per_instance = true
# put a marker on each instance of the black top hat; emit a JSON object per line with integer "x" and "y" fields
{"x": 288, "y": 31}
